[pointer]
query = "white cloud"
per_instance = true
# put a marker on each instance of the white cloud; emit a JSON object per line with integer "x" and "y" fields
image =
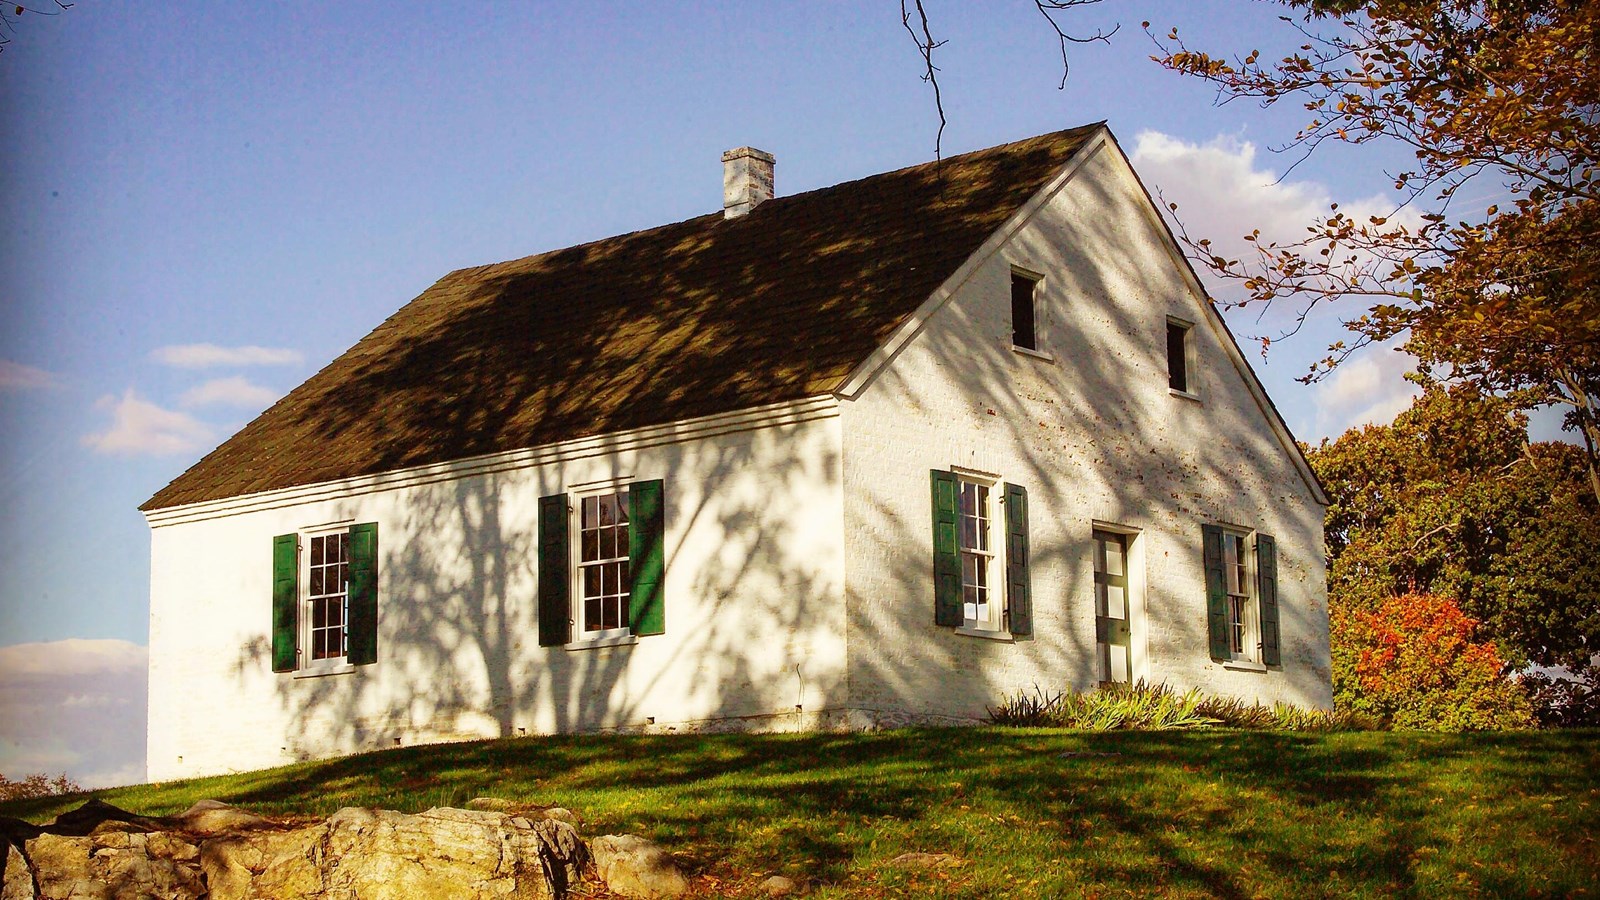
{"x": 1223, "y": 194}
{"x": 1369, "y": 389}
{"x": 18, "y": 377}
{"x": 141, "y": 427}
{"x": 76, "y": 707}
{"x": 235, "y": 391}
{"x": 205, "y": 356}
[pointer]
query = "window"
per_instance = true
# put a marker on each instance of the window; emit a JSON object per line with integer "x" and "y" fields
{"x": 1178, "y": 375}
{"x": 1241, "y": 570}
{"x": 976, "y": 556}
{"x": 980, "y": 554}
{"x": 1111, "y": 617}
{"x": 602, "y": 565}
{"x": 328, "y": 595}
{"x": 325, "y": 598}
{"x": 1242, "y": 640}
{"x": 1023, "y": 331}
{"x": 603, "y": 583}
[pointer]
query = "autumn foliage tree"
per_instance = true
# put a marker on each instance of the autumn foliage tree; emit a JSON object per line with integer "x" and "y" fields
{"x": 1414, "y": 662}
{"x": 1504, "y": 94}
{"x": 1452, "y": 499}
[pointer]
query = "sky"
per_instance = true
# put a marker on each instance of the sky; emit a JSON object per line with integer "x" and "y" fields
{"x": 205, "y": 203}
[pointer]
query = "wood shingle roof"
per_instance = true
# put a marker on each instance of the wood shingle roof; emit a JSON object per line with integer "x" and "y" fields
{"x": 704, "y": 316}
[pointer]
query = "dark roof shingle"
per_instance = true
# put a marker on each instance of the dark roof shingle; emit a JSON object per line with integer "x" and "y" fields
{"x": 700, "y": 317}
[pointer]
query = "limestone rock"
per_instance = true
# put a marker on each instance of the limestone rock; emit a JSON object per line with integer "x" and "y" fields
{"x": 112, "y": 865}
{"x": 780, "y": 886}
{"x": 442, "y": 854}
{"x": 491, "y": 804}
{"x": 211, "y": 817}
{"x": 17, "y": 882}
{"x": 634, "y": 867}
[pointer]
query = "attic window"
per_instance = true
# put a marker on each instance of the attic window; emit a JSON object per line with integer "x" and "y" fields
{"x": 1179, "y": 376}
{"x": 1023, "y": 331}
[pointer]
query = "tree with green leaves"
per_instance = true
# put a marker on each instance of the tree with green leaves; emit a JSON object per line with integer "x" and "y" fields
{"x": 1453, "y": 500}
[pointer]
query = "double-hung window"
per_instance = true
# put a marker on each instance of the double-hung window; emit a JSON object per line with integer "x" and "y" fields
{"x": 603, "y": 582}
{"x": 1241, "y": 573}
{"x": 979, "y": 606}
{"x": 325, "y": 598}
{"x": 980, "y": 554}
{"x": 602, "y": 564}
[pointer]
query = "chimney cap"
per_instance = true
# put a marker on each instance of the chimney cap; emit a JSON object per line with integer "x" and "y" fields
{"x": 738, "y": 152}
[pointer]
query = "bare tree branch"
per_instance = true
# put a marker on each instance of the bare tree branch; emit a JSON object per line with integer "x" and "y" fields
{"x": 925, "y": 46}
{"x": 11, "y": 12}
{"x": 1047, "y": 7}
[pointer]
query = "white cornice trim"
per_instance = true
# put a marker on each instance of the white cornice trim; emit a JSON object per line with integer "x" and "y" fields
{"x": 880, "y": 358}
{"x": 772, "y": 415}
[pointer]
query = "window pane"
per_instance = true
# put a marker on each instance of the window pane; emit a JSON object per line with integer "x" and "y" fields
{"x": 590, "y": 547}
{"x": 624, "y": 574}
{"x": 319, "y": 614}
{"x": 591, "y": 581}
{"x": 590, "y": 505}
{"x": 592, "y": 617}
{"x": 316, "y": 551}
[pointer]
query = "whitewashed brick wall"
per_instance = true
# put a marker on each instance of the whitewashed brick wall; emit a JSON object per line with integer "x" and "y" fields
{"x": 1094, "y": 434}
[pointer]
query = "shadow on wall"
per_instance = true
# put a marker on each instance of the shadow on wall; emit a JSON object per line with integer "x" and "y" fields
{"x": 458, "y": 611}
{"x": 1099, "y": 437}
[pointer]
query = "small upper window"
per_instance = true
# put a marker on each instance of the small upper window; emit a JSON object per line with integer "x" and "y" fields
{"x": 1023, "y": 330}
{"x": 1178, "y": 356}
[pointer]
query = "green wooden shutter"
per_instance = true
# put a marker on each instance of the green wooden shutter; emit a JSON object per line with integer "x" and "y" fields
{"x": 1267, "y": 593}
{"x": 361, "y": 639}
{"x": 285, "y": 601}
{"x": 1216, "y": 593}
{"x": 946, "y": 550}
{"x": 555, "y": 573}
{"x": 1019, "y": 596}
{"x": 647, "y": 557}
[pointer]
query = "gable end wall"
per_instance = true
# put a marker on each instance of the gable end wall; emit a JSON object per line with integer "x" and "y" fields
{"x": 1095, "y": 435}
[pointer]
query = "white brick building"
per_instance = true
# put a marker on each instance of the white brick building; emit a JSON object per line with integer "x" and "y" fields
{"x": 883, "y": 452}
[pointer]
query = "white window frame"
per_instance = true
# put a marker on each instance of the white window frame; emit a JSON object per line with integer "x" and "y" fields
{"x": 582, "y": 637}
{"x": 1190, "y": 363}
{"x": 303, "y": 649}
{"x": 1038, "y": 350}
{"x": 992, "y": 621}
{"x": 1244, "y": 603}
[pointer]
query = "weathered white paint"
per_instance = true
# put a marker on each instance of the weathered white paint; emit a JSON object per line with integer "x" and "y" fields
{"x": 1095, "y": 435}
{"x": 798, "y": 536}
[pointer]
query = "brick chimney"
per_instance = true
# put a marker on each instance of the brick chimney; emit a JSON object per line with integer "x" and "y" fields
{"x": 746, "y": 180}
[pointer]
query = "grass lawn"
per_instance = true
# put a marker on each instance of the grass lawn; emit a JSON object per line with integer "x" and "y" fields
{"x": 1028, "y": 812}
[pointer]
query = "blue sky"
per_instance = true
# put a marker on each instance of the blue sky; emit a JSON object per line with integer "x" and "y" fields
{"x": 205, "y": 203}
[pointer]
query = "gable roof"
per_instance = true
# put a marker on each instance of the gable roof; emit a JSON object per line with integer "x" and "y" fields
{"x": 705, "y": 316}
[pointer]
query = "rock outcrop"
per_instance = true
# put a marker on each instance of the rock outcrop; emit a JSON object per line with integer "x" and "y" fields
{"x": 217, "y": 852}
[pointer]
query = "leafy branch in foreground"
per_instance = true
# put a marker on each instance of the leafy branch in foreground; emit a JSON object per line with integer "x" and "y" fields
{"x": 1498, "y": 93}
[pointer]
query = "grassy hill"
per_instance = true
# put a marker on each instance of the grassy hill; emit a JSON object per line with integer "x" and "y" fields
{"x": 1027, "y": 812}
